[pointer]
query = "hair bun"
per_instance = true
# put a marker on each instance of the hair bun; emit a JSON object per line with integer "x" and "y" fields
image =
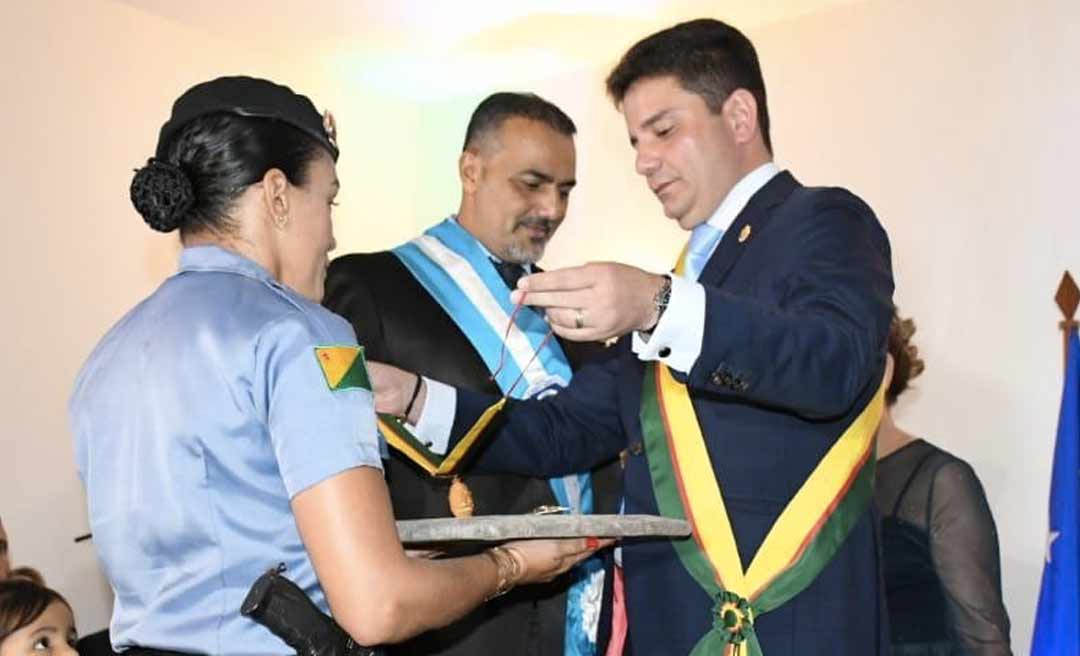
{"x": 162, "y": 193}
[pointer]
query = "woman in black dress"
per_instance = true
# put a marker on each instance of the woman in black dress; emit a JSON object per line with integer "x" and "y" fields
{"x": 942, "y": 568}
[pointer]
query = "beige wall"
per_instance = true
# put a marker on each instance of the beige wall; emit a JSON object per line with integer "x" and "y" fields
{"x": 956, "y": 121}
{"x": 86, "y": 87}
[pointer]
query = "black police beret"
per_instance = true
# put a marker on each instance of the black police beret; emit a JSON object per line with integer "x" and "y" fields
{"x": 248, "y": 96}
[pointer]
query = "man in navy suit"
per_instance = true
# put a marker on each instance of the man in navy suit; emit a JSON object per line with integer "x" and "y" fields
{"x": 770, "y": 337}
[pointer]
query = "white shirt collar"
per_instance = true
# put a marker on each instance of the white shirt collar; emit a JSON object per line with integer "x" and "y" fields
{"x": 740, "y": 195}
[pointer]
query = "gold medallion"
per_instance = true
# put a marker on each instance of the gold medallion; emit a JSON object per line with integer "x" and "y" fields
{"x": 461, "y": 501}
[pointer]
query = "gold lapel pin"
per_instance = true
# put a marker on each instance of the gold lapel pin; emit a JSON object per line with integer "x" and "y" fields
{"x": 744, "y": 234}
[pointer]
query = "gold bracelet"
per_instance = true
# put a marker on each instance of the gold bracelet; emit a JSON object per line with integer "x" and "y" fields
{"x": 507, "y": 570}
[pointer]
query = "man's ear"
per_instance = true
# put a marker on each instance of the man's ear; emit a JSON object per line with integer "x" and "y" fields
{"x": 470, "y": 170}
{"x": 274, "y": 186}
{"x": 890, "y": 368}
{"x": 740, "y": 113}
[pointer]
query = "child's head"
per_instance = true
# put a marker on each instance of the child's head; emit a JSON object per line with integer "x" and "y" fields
{"x": 34, "y": 620}
{"x": 5, "y": 562}
{"x": 29, "y": 574}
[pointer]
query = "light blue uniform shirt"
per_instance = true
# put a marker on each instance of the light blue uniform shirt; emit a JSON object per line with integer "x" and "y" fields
{"x": 196, "y": 419}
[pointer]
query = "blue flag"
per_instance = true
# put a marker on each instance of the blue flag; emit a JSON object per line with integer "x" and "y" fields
{"x": 1057, "y": 619}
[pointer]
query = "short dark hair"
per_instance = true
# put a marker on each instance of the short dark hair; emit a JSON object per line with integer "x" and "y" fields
{"x": 28, "y": 573}
{"x": 22, "y": 602}
{"x": 494, "y": 110}
{"x": 708, "y": 57}
{"x": 208, "y": 163}
{"x": 906, "y": 361}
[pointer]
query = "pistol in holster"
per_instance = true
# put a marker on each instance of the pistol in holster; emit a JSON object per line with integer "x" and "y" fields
{"x": 281, "y": 606}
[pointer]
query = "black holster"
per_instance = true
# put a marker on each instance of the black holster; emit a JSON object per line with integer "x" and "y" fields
{"x": 281, "y": 606}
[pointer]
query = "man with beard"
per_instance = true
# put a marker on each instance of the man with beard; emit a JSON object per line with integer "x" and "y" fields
{"x": 439, "y": 305}
{"x": 746, "y": 387}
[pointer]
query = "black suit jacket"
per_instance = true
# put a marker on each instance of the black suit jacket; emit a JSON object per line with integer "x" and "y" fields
{"x": 399, "y": 323}
{"x": 796, "y": 320}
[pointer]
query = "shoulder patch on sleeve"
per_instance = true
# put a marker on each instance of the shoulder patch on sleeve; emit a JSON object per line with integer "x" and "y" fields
{"x": 343, "y": 366}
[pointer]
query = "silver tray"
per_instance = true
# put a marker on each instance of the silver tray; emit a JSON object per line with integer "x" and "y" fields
{"x": 499, "y": 528}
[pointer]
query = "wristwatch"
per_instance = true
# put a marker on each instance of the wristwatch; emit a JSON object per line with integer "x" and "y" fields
{"x": 661, "y": 300}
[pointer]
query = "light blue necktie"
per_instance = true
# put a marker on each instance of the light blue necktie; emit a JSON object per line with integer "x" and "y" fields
{"x": 703, "y": 241}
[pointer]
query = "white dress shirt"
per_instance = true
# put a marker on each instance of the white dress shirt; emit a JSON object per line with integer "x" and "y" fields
{"x": 679, "y": 333}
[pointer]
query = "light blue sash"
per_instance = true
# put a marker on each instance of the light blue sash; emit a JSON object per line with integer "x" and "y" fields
{"x": 455, "y": 270}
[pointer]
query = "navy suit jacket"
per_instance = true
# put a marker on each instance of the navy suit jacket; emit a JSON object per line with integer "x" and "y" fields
{"x": 796, "y": 322}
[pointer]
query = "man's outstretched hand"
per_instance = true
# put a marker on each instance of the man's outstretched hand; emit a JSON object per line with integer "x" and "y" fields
{"x": 593, "y": 302}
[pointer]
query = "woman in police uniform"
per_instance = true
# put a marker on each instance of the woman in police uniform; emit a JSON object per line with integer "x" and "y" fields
{"x": 224, "y": 424}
